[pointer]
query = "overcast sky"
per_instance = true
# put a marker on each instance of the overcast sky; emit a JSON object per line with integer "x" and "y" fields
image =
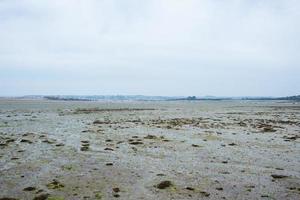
{"x": 150, "y": 47}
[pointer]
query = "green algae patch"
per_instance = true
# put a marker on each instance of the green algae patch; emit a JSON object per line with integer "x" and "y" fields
{"x": 55, "y": 185}
{"x": 98, "y": 195}
{"x": 55, "y": 198}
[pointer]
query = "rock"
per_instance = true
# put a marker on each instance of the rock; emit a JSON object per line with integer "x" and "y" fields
{"x": 26, "y": 141}
{"x": 232, "y": 144}
{"x": 164, "y": 184}
{"x": 160, "y": 174}
{"x": 109, "y": 164}
{"x": 116, "y": 189}
{"x": 84, "y": 148}
{"x": 48, "y": 141}
{"x": 277, "y": 176}
{"x": 206, "y": 194}
{"x": 150, "y": 137}
{"x": 190, "y": 188}
{"x": 136, "y": 143}
{"x": 108, "y": 149}
{"x": 219, "y": 188}
{"x": 195, "y": 145}
{"x": 27, "y": 189}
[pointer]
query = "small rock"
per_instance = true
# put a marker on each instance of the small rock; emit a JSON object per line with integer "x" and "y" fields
{"x": 27, "y": 189}
{"x": 277, "y": 176}
{"x": 136, "y": 143}
{"x": 150, "y": 137}
{"x": 27, "y": 141}
{"x": 164, "y": 184}
{"x": 84, "y": 148}
{"x": 232, "y": 144}
{"x": 190, "y": 188}
{"x": 206, "y": 194}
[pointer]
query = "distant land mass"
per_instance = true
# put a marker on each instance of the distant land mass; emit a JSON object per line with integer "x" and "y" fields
{"x": 147, "y": 98}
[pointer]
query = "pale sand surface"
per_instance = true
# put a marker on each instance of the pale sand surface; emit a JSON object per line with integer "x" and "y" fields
{"x": 123, "y": 150}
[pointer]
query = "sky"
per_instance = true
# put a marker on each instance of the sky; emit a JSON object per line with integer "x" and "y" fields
{"x": 150, "y": 47}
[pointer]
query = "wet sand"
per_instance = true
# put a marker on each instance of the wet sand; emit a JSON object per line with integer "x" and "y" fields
{"x": 149, "y": 150}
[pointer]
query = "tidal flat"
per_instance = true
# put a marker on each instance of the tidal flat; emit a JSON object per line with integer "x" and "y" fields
{"x": 59, "y": 150}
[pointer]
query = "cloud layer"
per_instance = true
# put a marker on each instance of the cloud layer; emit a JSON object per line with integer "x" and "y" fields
{"x": 151, "y": 47}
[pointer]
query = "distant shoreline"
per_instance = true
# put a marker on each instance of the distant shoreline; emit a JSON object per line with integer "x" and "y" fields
{"x": 145, "y": 98}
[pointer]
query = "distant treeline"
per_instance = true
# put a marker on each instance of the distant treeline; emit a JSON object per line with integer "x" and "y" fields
{"x": 151, "y": 98}
{"x": 292, "y": 98}
{"x": 56, "y": 98}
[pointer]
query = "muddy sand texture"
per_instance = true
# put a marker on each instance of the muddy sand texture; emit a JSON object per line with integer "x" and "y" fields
{"x": 149, "y": 150}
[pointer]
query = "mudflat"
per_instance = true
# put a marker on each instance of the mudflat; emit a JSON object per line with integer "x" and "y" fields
{"x": 149, "y": 150}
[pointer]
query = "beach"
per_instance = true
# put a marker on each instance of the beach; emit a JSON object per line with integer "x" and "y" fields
{"x": 149, "y": 149}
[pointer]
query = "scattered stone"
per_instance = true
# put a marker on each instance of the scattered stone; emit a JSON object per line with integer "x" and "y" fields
{"x": 206, "y": 194}
{"x": 136, "y": 143}
{"x": 160, "y": 175}
{"x": 219, "y": 188}
{"x": 190, "y": 188}
{"x": 84, "y": 148}
{"x": 278, "y": 168}
{"x": 116, "y": 195}
{"x": 150, "y": 137}
{"x": 28, "y": 189}
{"x": 277, "y": 176}
{"x": 26, "y": 141}
{"x": 108, "y": 149}
{"x": 232, "y": 144}
{"x": 164, "y": 184}
{"x": 48, "y": 141}
{"x": 116, "y": 189}
{"x": 109, "y": 164}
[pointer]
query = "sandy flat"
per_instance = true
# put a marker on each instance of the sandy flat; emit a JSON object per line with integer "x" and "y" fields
{"x": 149, "y": 150}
